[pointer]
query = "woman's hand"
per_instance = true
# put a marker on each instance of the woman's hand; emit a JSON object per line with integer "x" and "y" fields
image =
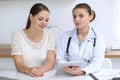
{"x": 74, "y": 70}
{"x": 35, "y": 72}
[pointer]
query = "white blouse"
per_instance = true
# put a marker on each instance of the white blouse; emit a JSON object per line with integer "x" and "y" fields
{"x": 33, "y": 54}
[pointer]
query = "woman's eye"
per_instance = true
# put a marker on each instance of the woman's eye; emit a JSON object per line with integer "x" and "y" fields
{"x": 80, "y": 15}
{"x": 40, "y": 19}
{"x": 47, "y": 20}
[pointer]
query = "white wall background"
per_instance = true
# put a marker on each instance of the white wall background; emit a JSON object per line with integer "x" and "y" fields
{"x": 14, "y": 13}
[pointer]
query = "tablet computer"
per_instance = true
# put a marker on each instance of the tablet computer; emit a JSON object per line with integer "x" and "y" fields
{"x": 60, "y": 65}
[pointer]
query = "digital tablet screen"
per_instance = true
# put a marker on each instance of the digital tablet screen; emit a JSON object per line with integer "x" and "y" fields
{"x": 62, "y": 64}
{"x": 71, "y": 63}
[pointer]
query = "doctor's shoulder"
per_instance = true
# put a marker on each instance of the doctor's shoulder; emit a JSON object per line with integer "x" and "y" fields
{"x": 67, "y": 34}
{"x": 100, "y": 37}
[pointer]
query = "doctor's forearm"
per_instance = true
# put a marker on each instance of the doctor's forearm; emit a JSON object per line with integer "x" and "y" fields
{"x": 92, "y": 68}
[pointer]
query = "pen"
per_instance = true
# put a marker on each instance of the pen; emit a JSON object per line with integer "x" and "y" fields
{"x": 93, "y": 76}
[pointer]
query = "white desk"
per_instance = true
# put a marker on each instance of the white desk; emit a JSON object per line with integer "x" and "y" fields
{"x": 22, "y": 76}
{"x": 104, "y": 74}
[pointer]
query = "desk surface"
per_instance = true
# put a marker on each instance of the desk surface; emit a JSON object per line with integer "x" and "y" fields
{"x": 104, "y": 74}
{"x": 112, "y": 54}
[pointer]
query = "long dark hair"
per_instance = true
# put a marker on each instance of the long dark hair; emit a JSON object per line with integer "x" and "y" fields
{"x": 87, "y": 7}
{"x": 36, "y": 8}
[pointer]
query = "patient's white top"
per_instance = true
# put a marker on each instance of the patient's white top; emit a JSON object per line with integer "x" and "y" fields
{"x": 33, "y": 54}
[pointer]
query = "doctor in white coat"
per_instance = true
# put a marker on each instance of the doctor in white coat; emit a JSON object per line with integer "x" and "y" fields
{"x": 82, "y": 44}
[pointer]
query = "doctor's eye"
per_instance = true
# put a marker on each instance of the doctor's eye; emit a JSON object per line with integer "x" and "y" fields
{"x": 47, "y": 20}
{"x": 81, "y": 15}
{"x": 74, "y": 16}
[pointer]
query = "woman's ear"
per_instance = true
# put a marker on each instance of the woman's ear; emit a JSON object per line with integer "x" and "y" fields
{"x": 31, "y": 16}
{"x": 92, "y": 16}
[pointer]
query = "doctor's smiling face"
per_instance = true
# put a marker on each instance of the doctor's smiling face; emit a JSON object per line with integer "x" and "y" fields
{"x": 82, "y": 16}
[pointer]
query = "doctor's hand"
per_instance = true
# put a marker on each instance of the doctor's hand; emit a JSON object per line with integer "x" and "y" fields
{"x": 74, "y": 70}
{"x": 35, "y": 72}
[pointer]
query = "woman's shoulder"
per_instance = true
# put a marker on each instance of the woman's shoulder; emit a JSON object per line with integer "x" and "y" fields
{"x": 17, "y": 33}
{"x": 49, "y": 32}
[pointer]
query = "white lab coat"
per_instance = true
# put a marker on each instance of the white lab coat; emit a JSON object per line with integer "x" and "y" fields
{"x": 91, "y": 56}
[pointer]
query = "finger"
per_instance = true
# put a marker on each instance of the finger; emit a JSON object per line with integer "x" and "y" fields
{"x": 36, "y": 75}
{"x": 67, "y": 68}
{"x": 74, "y": 68}
{"x": 70, "y": 72}
{"x": 39, "y": 73}
{"x": 42, "y": 74}
{"x": 33, "y": 75}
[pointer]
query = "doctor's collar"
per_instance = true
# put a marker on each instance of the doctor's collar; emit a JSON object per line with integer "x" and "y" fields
{"x": 89, "y": 36}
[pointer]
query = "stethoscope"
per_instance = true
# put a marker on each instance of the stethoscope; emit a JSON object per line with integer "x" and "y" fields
{"x": 68, "y": 44}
